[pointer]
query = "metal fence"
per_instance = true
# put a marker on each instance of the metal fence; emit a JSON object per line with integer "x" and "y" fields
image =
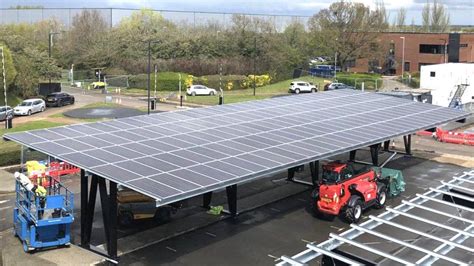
{"x": 115, "y": 15}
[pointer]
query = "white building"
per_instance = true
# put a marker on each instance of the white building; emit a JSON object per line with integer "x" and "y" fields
{"x": 449, "y": 83}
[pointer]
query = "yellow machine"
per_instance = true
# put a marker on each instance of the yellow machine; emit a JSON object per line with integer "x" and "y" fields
{"x": 134, "y": 206}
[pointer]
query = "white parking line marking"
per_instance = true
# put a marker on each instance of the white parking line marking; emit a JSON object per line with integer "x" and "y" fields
{"x": 339, "y": 229}
{"x": 3, "y": 201}
{"x": 275, "y": 258}
{"x": 172, "y": 249}
{"x": 275, "y": 209}
{"x": 4, "y": 208}
{"x": 210, "y": 234}
{"x": 306, "y": 241}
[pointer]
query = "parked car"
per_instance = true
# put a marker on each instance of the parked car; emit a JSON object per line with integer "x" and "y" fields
{"x": 302, "y": 86}
{"x": 31, "y": 106}
{"x": 339, "y": 86}
{"x": 200, "y": 90}
{"x": 6, "y": 112}
{"x": 59, "y": 99}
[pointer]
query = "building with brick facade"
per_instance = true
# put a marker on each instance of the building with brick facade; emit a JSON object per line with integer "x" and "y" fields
{"x": 420, "y": 49}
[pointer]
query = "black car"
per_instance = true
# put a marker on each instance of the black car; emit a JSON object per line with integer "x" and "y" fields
{"x": 59, "y": 99}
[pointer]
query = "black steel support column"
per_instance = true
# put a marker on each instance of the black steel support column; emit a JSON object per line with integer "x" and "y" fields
{"x": 206, "y": 200}
{"x": 352, "y": 155}
{"x": 386, "y": 145}
{"x": 407, "y": 142}
{"x": 291, "y": 174}
{"x": 90, "y": 209}
{"x": 374, "y": 153}
{"x": 104, "y": 201}
{"x": 84, "y": 212}
{"x": 232, "y": 199}
{"x": 112, "y": 247}
{"x": 314, "y": 167}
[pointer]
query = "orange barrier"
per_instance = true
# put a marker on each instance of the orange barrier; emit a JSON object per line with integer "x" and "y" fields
{"x": 52, "y": 174}
{"x": 455, "y": 137}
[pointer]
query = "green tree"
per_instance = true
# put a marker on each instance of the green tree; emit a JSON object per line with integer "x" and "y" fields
{"x": 349, "y": 29}
{"x": 10, "y": 72}
{"x": 37, "y": 67}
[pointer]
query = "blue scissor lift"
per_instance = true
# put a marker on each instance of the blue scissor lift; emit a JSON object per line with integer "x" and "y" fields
{"x": 42, "y": 222}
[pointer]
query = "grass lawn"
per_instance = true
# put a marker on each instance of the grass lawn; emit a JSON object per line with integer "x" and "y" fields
{"x": 279, "y": 88}
{"x": 10, "y": 151}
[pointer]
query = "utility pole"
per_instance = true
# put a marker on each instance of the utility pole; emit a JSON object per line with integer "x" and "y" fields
{"x": 156, "y": 72}
{"x": 4, "y": 86}
{"x": 254, "y": 65}
{"x": 403, "y": 57}
{"x": 50, "y": 45}
{"x": 148, "y": 81}
{"x": 335, "y": 65}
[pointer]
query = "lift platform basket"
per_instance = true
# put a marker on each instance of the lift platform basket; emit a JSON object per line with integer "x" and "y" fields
{"x": 393, "y": 179}
{"x": 41, "y": 222}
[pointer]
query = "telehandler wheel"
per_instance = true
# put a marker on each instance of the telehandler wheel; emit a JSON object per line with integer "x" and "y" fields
{"x": 354, "y": 209}
{"x": 381, "y": 198}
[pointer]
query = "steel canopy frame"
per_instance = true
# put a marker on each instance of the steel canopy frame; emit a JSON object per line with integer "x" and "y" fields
{"x": 313, "y": 250}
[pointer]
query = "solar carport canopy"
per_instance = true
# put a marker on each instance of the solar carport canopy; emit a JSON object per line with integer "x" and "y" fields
{"x": 176, "y": 155}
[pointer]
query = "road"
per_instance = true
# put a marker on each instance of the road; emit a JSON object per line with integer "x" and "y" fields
{"x": 83, "y": 98}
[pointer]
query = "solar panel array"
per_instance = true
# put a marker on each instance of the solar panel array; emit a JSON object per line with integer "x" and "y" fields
{"x": 174, "y": 155}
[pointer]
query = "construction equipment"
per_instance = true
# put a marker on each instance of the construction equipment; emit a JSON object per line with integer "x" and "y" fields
{"x": 42, "y": 218}
{"x": 345, "y": 189}
{"x": 133, "y": 206}
{"x": 42, "y": 174}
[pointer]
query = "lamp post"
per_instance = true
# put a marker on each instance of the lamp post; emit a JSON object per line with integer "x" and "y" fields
{"x": 254, "y": 65}
{"x": 4, "y": 87}
{"x": 403, "y": 57}
{"x": 149, "y": 71}
{"x": 335, "y": 65}
{"x": 50, "y": 45}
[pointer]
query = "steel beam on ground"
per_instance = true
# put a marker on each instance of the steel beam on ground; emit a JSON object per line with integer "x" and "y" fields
{"x": 370, "y": 249}
{"x": 403, "y": 243}
{"x": 456, "y": 195}
{"x": 429, "y": 221}
{"x": 464, "y": 180}
{"x": 437, "y": 211}
{"x": 445, "y": 248}
{"x": 459, "y": 187}
{"x": 409, "y": 229}
{"x": 454, "y": 205}
{"x": 332, "y": 254}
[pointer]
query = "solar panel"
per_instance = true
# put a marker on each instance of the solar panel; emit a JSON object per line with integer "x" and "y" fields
{"x": 175, "y": 155}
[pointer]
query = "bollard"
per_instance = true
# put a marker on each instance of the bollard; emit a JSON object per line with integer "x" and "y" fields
{"x": 181, "y": 100}
{"x": 221, "y": 100}
{"x": 9, "y": 123}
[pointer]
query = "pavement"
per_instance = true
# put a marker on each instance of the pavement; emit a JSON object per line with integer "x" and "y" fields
{"x": 390, "y": 83}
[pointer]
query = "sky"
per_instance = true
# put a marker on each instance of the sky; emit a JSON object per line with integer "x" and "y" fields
{"x": 461, "y": 11}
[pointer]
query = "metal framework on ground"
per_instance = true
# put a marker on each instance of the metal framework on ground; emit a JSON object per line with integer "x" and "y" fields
{"x": 177, "y": 155}
{"x": 442, "y": 215}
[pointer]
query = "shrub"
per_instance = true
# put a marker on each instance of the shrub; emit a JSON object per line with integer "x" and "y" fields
{"x": 166, "y": 81}
{"x": 260, "y": 81}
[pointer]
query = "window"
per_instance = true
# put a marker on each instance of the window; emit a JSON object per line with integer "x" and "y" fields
{"x": 407, "y": 66}
{"x": 392, "y": 48}
{"x": 432, "y": 74}
{"x": 463, "y": 45}
{"x": 351, "y": 63}
{"x": 301, "y": 84}
{"x": 432, "y": 48}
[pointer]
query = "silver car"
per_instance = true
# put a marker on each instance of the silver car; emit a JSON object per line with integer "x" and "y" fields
{"x": 6, "y": 112}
